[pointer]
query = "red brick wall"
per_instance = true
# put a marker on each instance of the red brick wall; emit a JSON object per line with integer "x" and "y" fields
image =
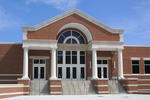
{"x": 129, "y": 52}
{"x": 50, "y": 32}
{"x": 11, "y": 60}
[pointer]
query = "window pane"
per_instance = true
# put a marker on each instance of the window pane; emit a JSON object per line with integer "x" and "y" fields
{"x": 82, "y": 59}
{"x": 147, "y": 62}
{"x": 68, "y": 59}
{"x": 67, "y": 72}
{"x": 147, "y": 69}
{"x": 42, "y": 61}
{"x": 99, "y": 62}
{"x": 68, "y": 41}
{"x": 41, "y": 72}
{"x": 61, "y": 39}
{"x": 74, "y": 59}
{"x": 74, "y": 53}
{"x": 104, "y": 61}
{"x": 60, "y": 53}
{"x": 68, "y": 53}
{"x": 59, "y": 72}
{"x": 135, "y": 61}
{"x": 75, "y": 34}
{"x": 82, "y": 53}
{"x": 74, "y": 41}
{"x": 99, "y": 72}
{"x": 60, "y": 60}
{"x": 74, "y": 73}
{"x": 82, "y": 72}
{"x": 105, "y": 72}
{"x": 35, "y": 72}
{"x": 36, "y": 61}
{"x": 81, "y": 40}
{"x": 66, "y": 34}
{"x": 135, "y": 69}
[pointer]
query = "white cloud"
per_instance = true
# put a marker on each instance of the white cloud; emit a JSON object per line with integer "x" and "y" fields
{"x": 59, "y": 4}
{"x": 8, "y": 21}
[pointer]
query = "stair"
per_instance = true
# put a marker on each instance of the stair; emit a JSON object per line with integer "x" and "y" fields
{"x": 77, "y": 87}
{"x": 39, "y": 87}
{"x": 115, "y": 87}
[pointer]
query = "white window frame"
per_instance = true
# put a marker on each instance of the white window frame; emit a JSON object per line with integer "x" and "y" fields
{"x": 146, "y": 64}
{"x": 78, "y": 66}
{"x": 103, "y": 66}
{"x": 39, "y": 65}
{"x": 137, "y": 59}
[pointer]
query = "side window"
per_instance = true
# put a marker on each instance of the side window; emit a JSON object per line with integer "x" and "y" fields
{"x": 147, "y": 66}
{"x": 135, "y": 67}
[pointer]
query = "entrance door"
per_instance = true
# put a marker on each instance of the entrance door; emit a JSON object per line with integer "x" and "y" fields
{"x": 71, "y": 65}
{"x": 39, "y": 70}
{"x": 102, "y": 68}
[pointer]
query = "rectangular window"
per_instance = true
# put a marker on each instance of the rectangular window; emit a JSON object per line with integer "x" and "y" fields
{"x": 68, "y": 57}
{"x": 41, "y": 72}
{"x": 36, "y": 61}
{"x": 82, "y": 72}
{"x": 82, "y": 57}
{"x": 147, "y": 66}
{"x": 74, "y": 72}
{"x": 135, "y": 67}
{"x": 99, "y": 72}
{"x": 59, "y": 72}
{"x": 105, "y": 72}
{"x": 68, "y": 72}
{"x": 35, "y": 72}
{"x": 60, "y": 57}
{"x": 42, "y": 61}
{"x": 74, "y": 57}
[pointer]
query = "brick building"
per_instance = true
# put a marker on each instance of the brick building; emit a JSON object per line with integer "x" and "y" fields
{"x": 73, "y": 50}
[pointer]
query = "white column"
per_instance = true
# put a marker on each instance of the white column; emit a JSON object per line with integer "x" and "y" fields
{"x": 120, "y": 64}
{"x": 53, "y": 64}
{"x": 94, "y": 64}
{"x": 25, "y": 64}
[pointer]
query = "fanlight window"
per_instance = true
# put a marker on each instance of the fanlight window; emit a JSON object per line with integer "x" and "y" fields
{"x": 71, "y": 37}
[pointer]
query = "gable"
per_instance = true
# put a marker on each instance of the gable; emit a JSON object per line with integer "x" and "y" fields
{"x": 50, "y": 31}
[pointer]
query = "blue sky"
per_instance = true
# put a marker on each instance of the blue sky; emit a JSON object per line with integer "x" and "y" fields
{"x": 131, "y": 15}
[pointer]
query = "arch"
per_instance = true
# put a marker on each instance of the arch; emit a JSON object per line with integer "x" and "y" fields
{"x": 80, "y": 27}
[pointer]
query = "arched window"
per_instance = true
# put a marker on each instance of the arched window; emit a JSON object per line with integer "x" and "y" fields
{"x": 71, "y": 37}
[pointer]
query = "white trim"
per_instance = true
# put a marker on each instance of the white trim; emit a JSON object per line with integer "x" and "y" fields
{"x": 130, "y": 85}
{"x": 14, "y": 93}
{"x": 66, "y": 14}
{"x": 144, "y": 84}
{"x": 40, "y": 44}
{"x": 55, "y": 92}
{"x": 132, "y": 91}
{"x": 12, "y": 85}
{"x": 135, "y": 58}
{"x": 105, "y": 45}
{"x": 101, "y": 85}
{"x": 39, "y": 57}
{"x": 137, "y": 74}
{"x": 8, "y": 80}
{"x": 102, "y": 92}
{"x": 143, "y": 79}
{"x": 146, "y": 58}
{"x": 80, "y": 27}
{"x": 10, "y": 74}
{"x": 55, "y": 85}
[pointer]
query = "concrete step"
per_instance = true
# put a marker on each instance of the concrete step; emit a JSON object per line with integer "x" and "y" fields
{"x": 77, "y": 87}
{"x": 39, "y": 87}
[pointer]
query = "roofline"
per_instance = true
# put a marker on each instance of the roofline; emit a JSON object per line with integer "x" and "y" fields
{"x": 136, "y": 45}
{"x": 9, "y": 43}
{"x": 68, "y": 13}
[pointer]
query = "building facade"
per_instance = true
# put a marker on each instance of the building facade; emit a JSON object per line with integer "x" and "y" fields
{"x": 73, "y": 47}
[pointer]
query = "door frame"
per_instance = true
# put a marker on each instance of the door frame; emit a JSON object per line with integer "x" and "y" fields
{"x": 39, "y": 66}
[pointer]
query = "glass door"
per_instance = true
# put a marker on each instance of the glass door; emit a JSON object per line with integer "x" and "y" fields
{"x": 39, "y": 70}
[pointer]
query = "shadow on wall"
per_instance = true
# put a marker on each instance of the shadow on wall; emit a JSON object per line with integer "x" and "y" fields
{"x": 11, "y": 62}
